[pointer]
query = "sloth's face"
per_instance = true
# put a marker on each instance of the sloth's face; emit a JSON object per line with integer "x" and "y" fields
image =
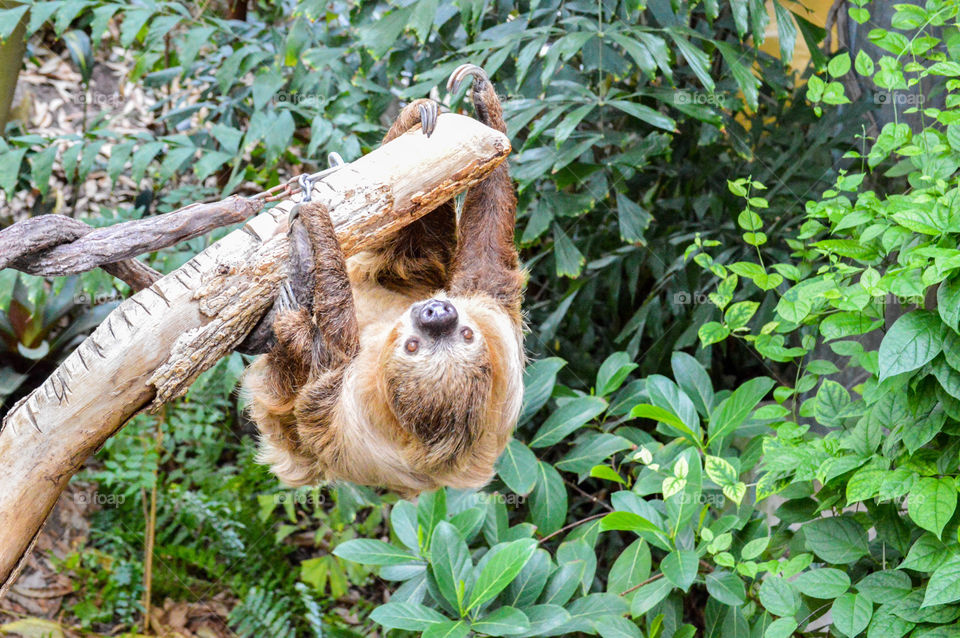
{"x": 438, "y": 369}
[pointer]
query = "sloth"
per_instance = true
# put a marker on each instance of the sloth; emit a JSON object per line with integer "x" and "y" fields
{"x": 402, "y": 367}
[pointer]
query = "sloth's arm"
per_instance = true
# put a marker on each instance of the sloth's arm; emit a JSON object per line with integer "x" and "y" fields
{"x": 336, "y": 340}
{"x": 486, "y": 259}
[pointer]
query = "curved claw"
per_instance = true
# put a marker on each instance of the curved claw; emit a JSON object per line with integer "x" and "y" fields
{"x": 464, "y": 71}
{"x": 428, "y": 117}
{"x": 293, "y": 215}
{"x": 286, "y": 299}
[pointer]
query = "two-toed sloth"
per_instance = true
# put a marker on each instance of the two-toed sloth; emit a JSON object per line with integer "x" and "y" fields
{"x": 402, "y": 367}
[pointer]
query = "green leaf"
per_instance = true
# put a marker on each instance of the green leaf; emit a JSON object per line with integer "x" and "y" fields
{"x": 926, "y": 554}
{"x": 450, "y": 562}
{"x": 503, "y": 566}
{"x": 948, "y": 302}
{"x": 631, "y": 568}
{"x": 734, "y": 410}
{"x": 726, "y": 587}
{"x": 517, "y": 467}
{"x": 548, "y": 501}
{"x": 545, "y": 618}
{"x": 448, "y": 629}
{"x": 633, "y": 220}
{"x": 779, "y": 597}
{"x": 698, "y": 60}
{"x": 529, "y": 584}
{"x": 647, "y": 411}
{"x": 679, "y": 566}
{"x": 825, "y": 583}
{"x": 851, "y": 613}
{"x": 627, "y": 521}
{"x": 9, "y": 19}
{"x": 754, "y": 548}
{"x": 431, "y": 509}
{"x": 504, "y": 621}
{"x": 863, "y": 64}
{"x": 645, "y": 114}
{"x": 569, "y": 417}
{"x": 538, "y": 381}
{"x": 616, "y": 627}
{"x": 569, "y": 259}
{"x": 407, "y": 616}
{"x": 591, "y": 450}
{"x": 712, "y": 332}
{"x": 889, "y": 585}
{"x": 780, "y": 628}
{"x": 932, "y": 503}
{"x": 403, "y": 520}
{"x": 944, "y": 585}
{"x": 10, "y": 169}
{"x": 839, "y": 65}
{"x": 912, "y": 341}
{"x": 613, "y": 372}
{"x": 836, "y": 539}
{"x": 693, "y": 380}
{"x": 649, "y": 596}
{"x": 372, "y": 552}
{"x": 745, "y": 78}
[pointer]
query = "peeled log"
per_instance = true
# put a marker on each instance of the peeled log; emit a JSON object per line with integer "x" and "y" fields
{"x": 151, "y": 347}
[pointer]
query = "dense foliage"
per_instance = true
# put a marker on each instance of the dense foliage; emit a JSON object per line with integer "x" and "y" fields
{"x": 695, "y": 461}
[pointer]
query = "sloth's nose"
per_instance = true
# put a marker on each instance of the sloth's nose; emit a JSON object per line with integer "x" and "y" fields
{"x": 437, "y": 318}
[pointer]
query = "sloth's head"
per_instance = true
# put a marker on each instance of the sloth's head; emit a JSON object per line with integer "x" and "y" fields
{"x": 443, "y": 369}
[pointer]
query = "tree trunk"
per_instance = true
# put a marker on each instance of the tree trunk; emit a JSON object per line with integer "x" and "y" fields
{"x": 11, "y": 58}
{"x": 151, "y": 347}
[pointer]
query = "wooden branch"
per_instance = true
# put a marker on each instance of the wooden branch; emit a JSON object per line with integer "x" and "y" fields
{"x": 57, "y": 245}
{"x": 152, "y": 346}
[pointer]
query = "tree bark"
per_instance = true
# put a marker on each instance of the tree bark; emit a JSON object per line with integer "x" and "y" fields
{"x": 151, "y": 347}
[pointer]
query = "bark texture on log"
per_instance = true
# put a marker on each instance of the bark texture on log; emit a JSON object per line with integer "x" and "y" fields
{"x": 151, "y": 347}
{"x": 57, "y": 245}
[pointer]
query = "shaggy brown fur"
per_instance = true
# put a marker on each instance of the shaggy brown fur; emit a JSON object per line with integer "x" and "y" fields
{"x": 369, "y": 384}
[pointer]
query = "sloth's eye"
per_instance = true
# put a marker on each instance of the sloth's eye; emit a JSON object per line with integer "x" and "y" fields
{"x": 467, "y": 334}
{"x": 412, "y": 345}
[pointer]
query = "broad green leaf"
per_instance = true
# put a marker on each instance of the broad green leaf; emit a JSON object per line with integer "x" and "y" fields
{"x": 887, "y": 586}
{"x": 824, "y": 583}
{"x": 407, "y": 616}
{"x": 529, "y": 583}
{"x": 567, "y": 418}
{"x": 431, "y": 509}
{"x": 616, "y": 627}
{"x": 538, "y": 381}
{"x": 926, "y": 554}
{"x": 851, "y": 613}
{"x": 569, "y": 259}
{"x": 403, "y": 520}
{"x": 693, "y": 380}
{"x": 501, "y": 569}
{"x": 517, "y": 467}
{"x": 613, "y": 372}
{"x": 448, "y": 629}
{"x": 932, "y": 503}
{"x": 679, "y": 566}
{"x": 913, "y": 340}
{"x": 645, "y": 114}
{"x": 631, "y": 568}
{"x": 591, "y": 450}
{"x": 836, "y": 539}
{"x": 779, "y": 597}
{"x": 948, "y": 302}
{"x": 450, "y": 562}
{"x": 548, "y": 500}
{"x": 780, "y": 628}
{"x": 726, "y": 587}
{"x": 647, "y": 411}
{"x": 649, "y": 596}
{"x": 944, "y": 585}
{"x": 372, "y": 552}
{"x": 734, "y": 410}
{"x": 503, "y": 621}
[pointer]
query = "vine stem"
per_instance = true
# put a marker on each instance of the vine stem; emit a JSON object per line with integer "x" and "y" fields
{"x": 656, "y": 576}
{"x": 151, "y": 532}
{"x": 572, "y": 525}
